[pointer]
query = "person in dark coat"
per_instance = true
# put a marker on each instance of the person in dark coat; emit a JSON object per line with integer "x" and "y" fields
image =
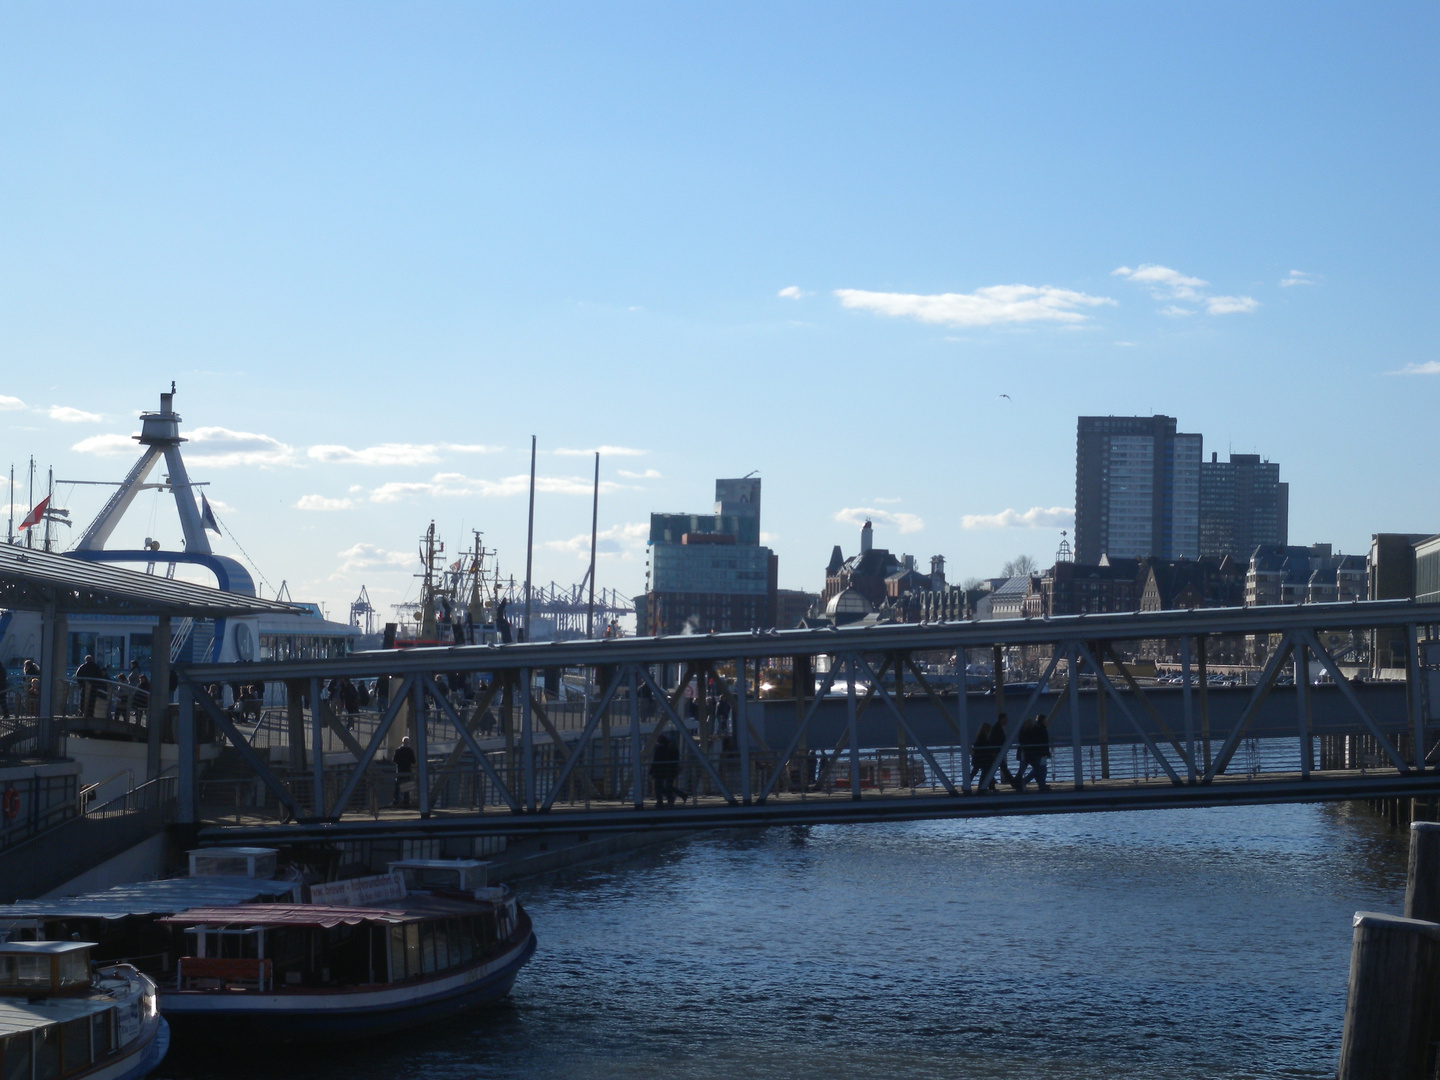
{"x": 91, "y": 677}
{"x": 664, "y": 768}
{"x": 404, "y": 772}
{"x": 981, "y": 755}
{"x": 1034, "y": 743}
{"x": 994, "y": 745}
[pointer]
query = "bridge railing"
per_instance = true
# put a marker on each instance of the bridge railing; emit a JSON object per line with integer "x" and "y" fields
{"x": 859, "y": 695}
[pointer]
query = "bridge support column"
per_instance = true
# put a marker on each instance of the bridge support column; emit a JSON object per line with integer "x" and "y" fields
{"x": 186, "y": 812}
{"x": 157, "y": 708}
{"x": 1102, "y": 720}
{"x": 295, "y": 690}
{"x": 1189, "y": 705}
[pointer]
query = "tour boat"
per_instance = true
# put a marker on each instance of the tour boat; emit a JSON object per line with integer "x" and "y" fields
{"x": 59, "y": 1017}
{"x": 415, "y": 945}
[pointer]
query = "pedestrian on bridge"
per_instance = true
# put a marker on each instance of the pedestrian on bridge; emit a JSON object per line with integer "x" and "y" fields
{"x": 1034, "y": 744}
{"x": 404, "y": 773}
{"x": 664, "y": 769}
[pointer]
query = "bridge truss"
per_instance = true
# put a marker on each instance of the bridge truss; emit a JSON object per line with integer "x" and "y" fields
{"x": 498, "y": 754}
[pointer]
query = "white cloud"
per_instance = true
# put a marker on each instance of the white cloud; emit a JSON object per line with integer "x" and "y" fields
{"x": 1297, "y": 277}
{"x": 107, "y": 445}
{"x": 858, "y": 515}
{"x": 1037, "y": 517}
{"x": 370, "y": 557}
{"x": 322, "y": 502}
{"x": 768, "y": 538}
{"x": 67, "y": 415}
{"x": 1167, "y": 284}
{"x": 1429, "y": 367}
{"x": 223, "y": 507}
{"x": 603, "y": 451}
{"x": 8, "y": 404}
{"x": 222, "y": 448}
{"x": 621, "y": 540}
{"x": 648, "y": 474}
{"x": 391, "y": 453}
{"x": 1229, "y": 305}
{"x": 457, "y": 485}
{"x": 990, "y": 306}
{"x": 792, "y": 292}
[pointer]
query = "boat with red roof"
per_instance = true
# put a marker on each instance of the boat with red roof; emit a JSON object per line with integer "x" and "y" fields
{"x": 366, "y": 957}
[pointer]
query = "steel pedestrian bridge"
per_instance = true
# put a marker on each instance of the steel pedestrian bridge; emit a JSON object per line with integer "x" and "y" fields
{"x": 867, "y": 732}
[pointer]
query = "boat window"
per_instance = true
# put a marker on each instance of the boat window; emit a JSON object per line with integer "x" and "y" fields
{"x": 101, "y": 1028}
{"x": 412, "y": 950}
{"x": 25, "y": 972}
{"x": 427, "y": 941}
{"x": 397, "y": 953}
{"x": 47, "y": 1052}
{"x": 443, "y": 956}
{"x": 15, "y": 1056}
{"x": 461, "y": 947}
{"x": 77, "y": 1044}
{"x": 75, "y": 968}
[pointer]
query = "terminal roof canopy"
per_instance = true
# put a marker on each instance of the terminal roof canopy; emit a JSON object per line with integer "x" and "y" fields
{"x": 33, "y": 580}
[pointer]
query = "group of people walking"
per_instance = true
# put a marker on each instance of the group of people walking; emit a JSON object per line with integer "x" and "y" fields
{"x": 1032, "y": 748}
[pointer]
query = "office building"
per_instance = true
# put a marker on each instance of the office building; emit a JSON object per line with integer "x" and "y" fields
{"x": 709, "y": 572}
{"x": 1137, "y": 489}
{"x": 1243, "y": 506}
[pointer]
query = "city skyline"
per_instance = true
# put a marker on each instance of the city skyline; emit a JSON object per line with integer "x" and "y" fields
{"x": 874, "y": 258}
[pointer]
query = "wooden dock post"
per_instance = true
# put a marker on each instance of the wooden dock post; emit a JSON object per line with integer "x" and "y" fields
{"x": 1422, "y": 878}
{"x": 1390, "y": 1007}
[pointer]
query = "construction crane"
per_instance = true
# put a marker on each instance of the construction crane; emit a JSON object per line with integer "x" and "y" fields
{"x": 363, "y": 607}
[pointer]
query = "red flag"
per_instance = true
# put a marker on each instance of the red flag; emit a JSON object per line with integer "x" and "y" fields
{"x": 37, "y": 515}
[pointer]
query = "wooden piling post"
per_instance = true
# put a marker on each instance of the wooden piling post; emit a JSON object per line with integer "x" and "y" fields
{"x": 1422, "y": 879}
{"x": 1390, "y": 1007}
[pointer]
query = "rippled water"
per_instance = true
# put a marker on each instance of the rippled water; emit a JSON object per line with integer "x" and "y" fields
{"x": 1191, "y": 943}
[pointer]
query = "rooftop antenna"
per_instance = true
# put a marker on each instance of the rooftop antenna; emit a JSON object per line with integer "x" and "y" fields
{"x": 10, "y": 529}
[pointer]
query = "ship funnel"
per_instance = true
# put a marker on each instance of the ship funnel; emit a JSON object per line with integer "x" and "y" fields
{"x": 165, "y": 402}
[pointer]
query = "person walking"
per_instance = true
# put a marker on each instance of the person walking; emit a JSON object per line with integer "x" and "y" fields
{"x": 980, "y": 753}
{"x": 1034, "y": 745}
{"x": 91, "y": 677}
{"x": 998, "y": 738}
{"x": 664, "y": 768}
{"x": 404, "y": 773}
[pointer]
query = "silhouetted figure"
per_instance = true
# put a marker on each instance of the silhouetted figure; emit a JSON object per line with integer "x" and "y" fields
{"x": 404, "y": 773}
{"x": 664, "y": 768}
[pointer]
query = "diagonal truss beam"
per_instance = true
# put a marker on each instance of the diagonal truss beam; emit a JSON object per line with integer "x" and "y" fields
{"x": 397, "y": 701}
{"x": 686, "y": 737}
{"x": 900, "y": 716}
{"x": 452, "y": 759}
{"x": 592, "y": 722}
{"x": 1347, "y": 691}
{"x": 828, "y": 763}
{"x": 784, "y": 760}
{"x": 443, "y": 703}
{"x": 1144, "y": 700}
{"x": 1257, "y": 698}
{"x": 1014, "y": 732}
{"x": 1104, "y": 685}
{"x": 257, "y": 764}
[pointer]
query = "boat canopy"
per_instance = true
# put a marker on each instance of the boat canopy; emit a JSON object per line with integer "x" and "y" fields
{"x": 324, "y": 917}
{"x": 150, "y": 898}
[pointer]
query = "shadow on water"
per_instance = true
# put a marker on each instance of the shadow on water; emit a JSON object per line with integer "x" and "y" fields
{"x": 1198, "y": 943}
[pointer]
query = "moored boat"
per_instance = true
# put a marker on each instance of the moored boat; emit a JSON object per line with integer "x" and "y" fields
{"x": 59, "y": 1017}
{"x": 426, "y": 944}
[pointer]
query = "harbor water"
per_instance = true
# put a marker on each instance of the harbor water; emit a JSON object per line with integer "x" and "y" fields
{"x": 1188, "y": 943}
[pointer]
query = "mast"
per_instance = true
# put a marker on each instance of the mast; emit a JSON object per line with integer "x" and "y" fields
{"x": 10, "y": 529}
{"x": 30, "y": 533}
{"x": 594, "y": 536}
{"x": 530, "y": 539}
{"x": 49, "y": 493}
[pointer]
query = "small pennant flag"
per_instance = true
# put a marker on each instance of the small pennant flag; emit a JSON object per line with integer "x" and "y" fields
{"x": 207, "y": 516}
{"x": 37, "y": 515}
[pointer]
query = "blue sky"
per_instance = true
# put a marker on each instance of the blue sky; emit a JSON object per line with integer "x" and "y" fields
{"x": 378, "y": 247}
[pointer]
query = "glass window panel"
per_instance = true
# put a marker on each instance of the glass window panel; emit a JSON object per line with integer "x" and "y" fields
{"x": 101, "y": 1032}
{"x": 77, "y": 1044}
{"x": 75, "y": 968}
{"x": 427, "y": 940}
{"x": 397, "y": 953}
{"x": 47, "y": 1053}
{"x": 412, "y": 950}
{"x": 15, "y": 1065}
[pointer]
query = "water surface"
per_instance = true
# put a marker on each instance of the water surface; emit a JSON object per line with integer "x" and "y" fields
{"x": 1185, "y": 943}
